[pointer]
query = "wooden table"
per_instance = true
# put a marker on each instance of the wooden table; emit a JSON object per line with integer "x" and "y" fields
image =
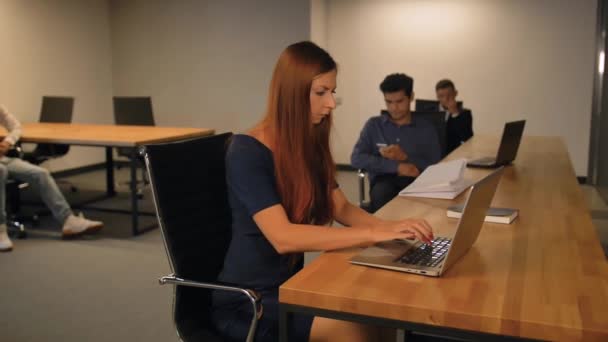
{"x": 110, "y": 136}
{"x": 543, "y": 277}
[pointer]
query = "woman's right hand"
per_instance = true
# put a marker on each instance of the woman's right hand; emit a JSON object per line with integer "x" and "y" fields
{"x": 403, "y": 229}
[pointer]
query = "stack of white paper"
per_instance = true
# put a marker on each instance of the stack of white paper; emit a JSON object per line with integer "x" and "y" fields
{"x": 443, "y": 180}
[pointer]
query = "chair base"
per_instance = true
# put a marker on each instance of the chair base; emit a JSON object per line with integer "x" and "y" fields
{"x": 16, "y": 229}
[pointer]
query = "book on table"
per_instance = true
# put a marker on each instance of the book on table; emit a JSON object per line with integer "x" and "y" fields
{"x": 495, "y": 215}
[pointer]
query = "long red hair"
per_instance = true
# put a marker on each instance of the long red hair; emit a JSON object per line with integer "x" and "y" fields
{"x": 304, "y": 167}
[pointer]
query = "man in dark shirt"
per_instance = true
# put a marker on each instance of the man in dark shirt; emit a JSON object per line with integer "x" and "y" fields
{"x": 395, "y": 147}
{"x": 459, "y": 121}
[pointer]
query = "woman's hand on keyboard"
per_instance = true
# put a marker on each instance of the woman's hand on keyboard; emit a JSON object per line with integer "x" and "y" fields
{"x": 404, "y": 229}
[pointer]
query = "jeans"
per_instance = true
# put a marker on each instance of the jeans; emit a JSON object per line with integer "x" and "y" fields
{"x": 38, "y": 178}
{"x": 384, "y": 188}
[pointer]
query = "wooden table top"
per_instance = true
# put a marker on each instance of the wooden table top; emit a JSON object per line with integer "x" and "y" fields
{"x": 544, "y": 277}
{"x": 105, "y": 135}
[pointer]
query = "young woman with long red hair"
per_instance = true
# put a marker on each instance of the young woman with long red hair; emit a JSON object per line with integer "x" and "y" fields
{"x": 283, "y": 193}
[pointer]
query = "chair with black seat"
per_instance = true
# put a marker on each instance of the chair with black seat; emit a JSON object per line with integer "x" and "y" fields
{"x": 14, "y": 218}
{"x": 14, "y": 221}
{"x": 423, "y": 105}
{"x": 195, "y": 220}
{"x": 437, "y": 119}
{"x": 54, "y": 109}
{"x": 134, "y": 111}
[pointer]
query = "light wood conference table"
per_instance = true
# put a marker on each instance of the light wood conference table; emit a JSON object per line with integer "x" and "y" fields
{"x": 543, "y": 277}
{"x": 110, "y": 136}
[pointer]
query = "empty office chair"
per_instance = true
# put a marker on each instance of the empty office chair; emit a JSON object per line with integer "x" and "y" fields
{"x": 136, "y": 111}
{"x": 54, "y": 109}
{"x": 191, "y": 199}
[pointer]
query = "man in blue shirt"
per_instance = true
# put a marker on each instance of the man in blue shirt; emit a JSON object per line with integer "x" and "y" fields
{"x": 394, "y": 147}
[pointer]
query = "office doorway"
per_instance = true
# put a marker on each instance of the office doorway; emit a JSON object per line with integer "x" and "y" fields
{"x": 598, "y": 147}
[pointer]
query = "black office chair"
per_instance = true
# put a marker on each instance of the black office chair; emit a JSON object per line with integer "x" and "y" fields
{"x": 13, "y": 187}
{"x": 136, "y": 111}
{"x": 422, "y": 105}
{"x": 15, "y": 221}
{"x": 191, "y": 199}
{"x": 54, "y": 109}
{"x": 437, "y": 119}
{"x": 426, "y": 105}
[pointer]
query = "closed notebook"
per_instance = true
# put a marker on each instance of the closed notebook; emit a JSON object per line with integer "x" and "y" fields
{"x": 495, "y": 215}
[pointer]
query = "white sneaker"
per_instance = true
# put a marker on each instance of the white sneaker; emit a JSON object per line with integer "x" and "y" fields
{"x": 6, "y": 245}
{"x": 78, "y": 225}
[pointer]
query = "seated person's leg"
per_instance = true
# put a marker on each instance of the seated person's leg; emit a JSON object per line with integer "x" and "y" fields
{"x": 327, "y": 330}
{"x": 382, "y": 190}
{"x": 402, "y": 182}
{"x": 41, "y": 180}
{"x": 232, "y": 318}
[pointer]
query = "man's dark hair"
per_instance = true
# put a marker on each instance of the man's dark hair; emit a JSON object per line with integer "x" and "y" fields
{"x": 444, "y": 83}
{"x": 396, "y": 82}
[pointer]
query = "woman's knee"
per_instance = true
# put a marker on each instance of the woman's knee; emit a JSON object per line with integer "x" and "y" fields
{"x": 325, "y": 330}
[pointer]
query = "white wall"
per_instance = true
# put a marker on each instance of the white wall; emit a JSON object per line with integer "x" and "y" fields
{"x": 59, "y": 47}
{"x": 318, "y": 22}
{"x": 509, "y": 59}
{"x": 205, "y": 63}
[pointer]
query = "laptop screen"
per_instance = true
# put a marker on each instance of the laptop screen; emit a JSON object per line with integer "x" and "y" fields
{"x": 509, "y": 144}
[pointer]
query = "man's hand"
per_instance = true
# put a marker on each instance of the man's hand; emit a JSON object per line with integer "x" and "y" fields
{"x": 4, "y": 147}
{"x": 408, "y": 169}
{"x": 393, "y": 152}
{"x": 452, "y": 106}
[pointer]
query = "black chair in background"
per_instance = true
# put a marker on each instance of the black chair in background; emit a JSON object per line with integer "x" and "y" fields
{"x": 191, "y": 199}
{"x": 426, "y": 105}
{"x": 422, "y": 105}
{"x": 14, "y": 221}
{"x": 135, "y": 111}
{"x": 55, "y": 109}
{"x": 437, "y": 119}
{"x": 14, "y": 218}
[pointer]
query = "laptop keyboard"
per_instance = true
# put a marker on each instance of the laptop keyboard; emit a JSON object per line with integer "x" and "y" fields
{"x": 427, "y": 255}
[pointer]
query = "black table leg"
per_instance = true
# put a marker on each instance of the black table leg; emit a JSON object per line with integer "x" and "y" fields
{"x": 110, "y": 190}
{"x": 133, "y": 187}
{"x": 285, "y": 317}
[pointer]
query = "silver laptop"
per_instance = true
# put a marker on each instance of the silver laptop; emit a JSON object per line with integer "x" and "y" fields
{"x": 507, "y": 151}
{"x": 434, "y": 260}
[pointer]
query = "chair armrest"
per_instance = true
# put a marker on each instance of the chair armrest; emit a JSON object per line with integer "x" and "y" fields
{"x": 361, "y": 174}
{"x": 253, "y": 296}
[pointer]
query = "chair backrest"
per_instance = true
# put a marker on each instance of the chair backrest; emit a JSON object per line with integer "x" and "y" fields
{"x": 188, "y": 181}
{"x": 132, "y": 111}
{"x": 437, "y": 119}
{"x": 426, "y": 105}
{"x": 423, "y": 105}
{"x": 54, "y": 109}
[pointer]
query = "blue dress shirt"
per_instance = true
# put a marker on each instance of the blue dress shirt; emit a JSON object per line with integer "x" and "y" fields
{"x": 418, "y": 139}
